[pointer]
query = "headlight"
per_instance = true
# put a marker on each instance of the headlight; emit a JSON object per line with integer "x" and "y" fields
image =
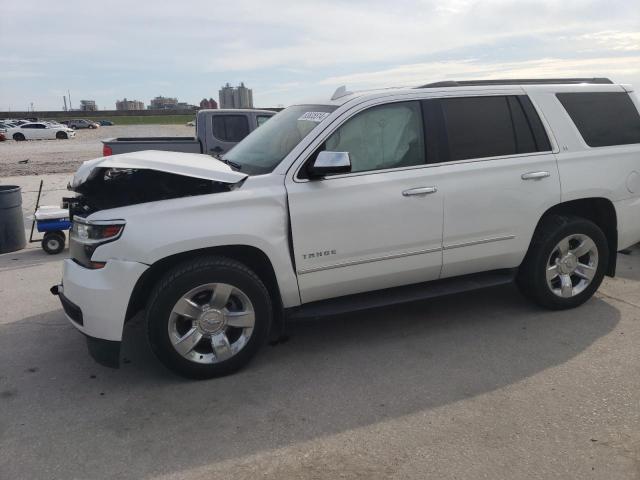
{"x": 87, "y": 235}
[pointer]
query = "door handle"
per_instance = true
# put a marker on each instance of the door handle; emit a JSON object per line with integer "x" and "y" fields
{"x": 419, "y": 191}
{"x": 535, "y": 175}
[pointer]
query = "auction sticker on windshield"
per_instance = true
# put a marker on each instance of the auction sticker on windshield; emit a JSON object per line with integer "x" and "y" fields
{"x": 314, "y": 116}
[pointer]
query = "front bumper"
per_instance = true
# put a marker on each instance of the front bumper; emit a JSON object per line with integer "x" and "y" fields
{"x": 105, "y": 352}
{"x": 95, "y": 301}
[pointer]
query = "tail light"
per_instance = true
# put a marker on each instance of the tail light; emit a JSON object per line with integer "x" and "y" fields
{"x": 106, "y": 151}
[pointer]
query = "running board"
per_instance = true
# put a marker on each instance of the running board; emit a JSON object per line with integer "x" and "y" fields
{"x": 398, "y": 295}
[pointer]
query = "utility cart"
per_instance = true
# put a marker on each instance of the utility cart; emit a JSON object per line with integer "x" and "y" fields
{"x": 52, "y": 221}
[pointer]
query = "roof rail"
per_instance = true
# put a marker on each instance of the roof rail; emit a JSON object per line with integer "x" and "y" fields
{"x": 522, "y": 81}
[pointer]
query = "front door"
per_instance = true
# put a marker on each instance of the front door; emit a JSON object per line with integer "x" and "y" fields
{"x": 377, "y": 227}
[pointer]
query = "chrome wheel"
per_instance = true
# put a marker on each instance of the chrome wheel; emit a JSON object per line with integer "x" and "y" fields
{"x": 572, "y": 265}
{"x": 211, "y": 323}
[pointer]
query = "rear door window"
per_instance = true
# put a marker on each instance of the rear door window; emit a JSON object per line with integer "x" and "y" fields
{"x": 479, "y": 127}
{"x": 465, "y": 128}
{"x": 603, "y": 118}
{"x": 230, "y": 128}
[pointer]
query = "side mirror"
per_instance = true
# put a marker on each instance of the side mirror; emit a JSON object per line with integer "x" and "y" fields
{"x": 327, "y": 163}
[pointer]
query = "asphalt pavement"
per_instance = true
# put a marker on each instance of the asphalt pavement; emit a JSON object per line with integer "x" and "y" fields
{"x": 472, "y": 386}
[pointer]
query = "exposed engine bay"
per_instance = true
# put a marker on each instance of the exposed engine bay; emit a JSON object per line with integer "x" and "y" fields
{"x": 117, "y": 187}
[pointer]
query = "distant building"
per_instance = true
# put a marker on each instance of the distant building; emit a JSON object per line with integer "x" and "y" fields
{"x": 236, "y": 97}
{"x": 125, "y": 104}
{"x": 88, "y": 105}
{"x": 211, "y": 103}
{"x": 163, "y": 103}
{"x": 185, "y": 106}
{"x": 166, "y": 103}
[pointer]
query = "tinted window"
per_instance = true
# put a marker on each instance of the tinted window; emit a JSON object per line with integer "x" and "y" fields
{"x": 388, "y": 136}
{"x": 230, "y": 128}
{"x": 478, "y": 127}
{"x": 535, "y": 124}
{"x": 262, "y": 119}
{"x": 28, "y": 126}
{"x": 603, "y": 118}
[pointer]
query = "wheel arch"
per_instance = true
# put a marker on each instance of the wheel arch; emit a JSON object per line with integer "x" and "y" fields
{"x": 252, "y": 257}
{"x": 600, "y": 211}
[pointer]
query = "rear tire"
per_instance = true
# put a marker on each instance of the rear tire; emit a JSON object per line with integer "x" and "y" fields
{"x": 62, "y": 136}
{"x": 565, "y": 264}
{"x": 18, "y": 137}
{"x": 53, "y": 242}
{"x": 208, "y": 317}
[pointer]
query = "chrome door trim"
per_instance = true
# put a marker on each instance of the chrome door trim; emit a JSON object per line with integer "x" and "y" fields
{"x": 479, "y": 242}
{"x": 368, "y": 260}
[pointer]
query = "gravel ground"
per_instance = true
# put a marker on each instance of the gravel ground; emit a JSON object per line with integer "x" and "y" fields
{"x": 64, "y": 156}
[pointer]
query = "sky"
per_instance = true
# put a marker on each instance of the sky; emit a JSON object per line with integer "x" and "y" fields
{"x": 287, "y": 51}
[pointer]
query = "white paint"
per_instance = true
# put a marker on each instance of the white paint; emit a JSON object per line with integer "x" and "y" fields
{"x": 380, "y": 238}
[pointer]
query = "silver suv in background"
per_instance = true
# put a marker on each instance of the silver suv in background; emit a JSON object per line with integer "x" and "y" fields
{"x": 82, "y": 123}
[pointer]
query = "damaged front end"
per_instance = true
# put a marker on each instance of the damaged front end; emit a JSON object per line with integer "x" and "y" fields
{"x": 149, "y": 176}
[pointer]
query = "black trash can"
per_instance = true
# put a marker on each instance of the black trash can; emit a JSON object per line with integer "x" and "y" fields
{"x": 12, "y": 235}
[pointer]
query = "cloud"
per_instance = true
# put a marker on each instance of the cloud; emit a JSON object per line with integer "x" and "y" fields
{"x": 615, "y": 40}
{"x": 285, "y": 49}
{"x": 15, "y": 74}
{"x": 421, "y": 73}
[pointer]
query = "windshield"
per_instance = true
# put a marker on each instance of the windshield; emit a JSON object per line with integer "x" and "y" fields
{"x": 264, "y": 148}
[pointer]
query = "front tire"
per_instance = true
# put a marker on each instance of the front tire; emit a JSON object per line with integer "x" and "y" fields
{"x": 62, "y": 136}
{"x": 208, "y": 317}
{"x": 565, "y": 264}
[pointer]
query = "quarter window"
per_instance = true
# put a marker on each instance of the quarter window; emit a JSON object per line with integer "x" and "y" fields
{"x": 230, "y": 128}
{"x": 387, "y": 136}
{"x": 603, "y": 118}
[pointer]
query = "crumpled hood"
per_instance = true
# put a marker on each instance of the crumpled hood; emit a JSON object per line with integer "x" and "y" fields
{"x": 188, "y": 164}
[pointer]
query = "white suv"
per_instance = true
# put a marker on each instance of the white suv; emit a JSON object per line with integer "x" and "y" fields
{"x": 366, "y": 199}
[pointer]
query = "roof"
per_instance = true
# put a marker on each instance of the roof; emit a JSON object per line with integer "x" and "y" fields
{"x": 342, "y": 95}
{"x": 235, "y": 110}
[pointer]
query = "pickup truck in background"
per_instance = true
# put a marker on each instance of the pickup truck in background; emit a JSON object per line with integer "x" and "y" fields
{"x": 216, "y": 132}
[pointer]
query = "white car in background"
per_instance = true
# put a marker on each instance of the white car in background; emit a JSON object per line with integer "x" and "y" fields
{"x": 40, "y": 131}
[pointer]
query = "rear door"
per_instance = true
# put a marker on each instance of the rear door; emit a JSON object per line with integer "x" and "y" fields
{"x": 43, "y": 132}
{"x": 499, "y": 176}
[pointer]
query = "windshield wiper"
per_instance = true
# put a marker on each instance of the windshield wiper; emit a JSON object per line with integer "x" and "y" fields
{"x": 234, "y": 165}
